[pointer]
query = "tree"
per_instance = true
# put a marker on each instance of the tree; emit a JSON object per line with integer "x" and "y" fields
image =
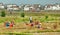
{"x": 3, "y": 14}
{"x": 22, "y": 15}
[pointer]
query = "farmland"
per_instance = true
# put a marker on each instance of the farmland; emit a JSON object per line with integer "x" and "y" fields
{"x": 20, "y": 27}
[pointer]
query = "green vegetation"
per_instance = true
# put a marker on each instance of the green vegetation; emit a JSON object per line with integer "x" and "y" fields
{"x": 3, "y": 14}
{"x": 20, "y": 19}
{"x": 47, "y": 19}
{"x": 22, "y": 15}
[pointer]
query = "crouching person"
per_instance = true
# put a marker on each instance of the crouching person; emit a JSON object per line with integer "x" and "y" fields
{"x": 7, "y": 24}
{"x": 39, "y": 26}
{"x": 11, "y": 24}
{"x": 31, "y": 25}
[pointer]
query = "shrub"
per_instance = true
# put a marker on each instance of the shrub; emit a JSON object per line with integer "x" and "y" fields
{"x": 46, "y": 17}
{"x": 3, "y": 14}
{"x": 22, "y": 15}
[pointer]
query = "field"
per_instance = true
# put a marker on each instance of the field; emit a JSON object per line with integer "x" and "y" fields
{"x": 20, "y": 27}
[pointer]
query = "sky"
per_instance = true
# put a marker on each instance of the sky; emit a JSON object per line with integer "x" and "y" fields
{"x": 18, "y": 2}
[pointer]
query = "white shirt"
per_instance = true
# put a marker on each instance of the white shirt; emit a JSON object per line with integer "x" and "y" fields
{"x": 30, "y": 18}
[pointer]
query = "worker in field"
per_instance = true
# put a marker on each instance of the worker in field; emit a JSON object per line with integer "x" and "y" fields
{"x": 30, "y": 19}
{"x": 31, "y": 25}
{"x": 7, "y": 24}
{"x": 11, "y": 24}
{"x": 39, "y": 25}
{"x": 55, "y": 25}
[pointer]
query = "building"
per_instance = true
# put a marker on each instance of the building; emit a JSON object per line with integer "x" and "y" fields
{"x": 52, "y": 7}
{"x": 27, "y": 7}
{"x": 12, "y": 7}
{"x": 32, "y": 8}
{"x": 58, "y": 6}
{"x": 36, "y": 7}
{"x": 21, "y": 7}
{"x": 1, "y": 6}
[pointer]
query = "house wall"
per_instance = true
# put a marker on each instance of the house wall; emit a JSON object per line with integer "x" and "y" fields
{"x": 12, "y": 7}
{"x": 26, "y": 8}
{"x": 54, "y": 7}
{"x": 1, "y": 7}
{"x": 15, "y": 8}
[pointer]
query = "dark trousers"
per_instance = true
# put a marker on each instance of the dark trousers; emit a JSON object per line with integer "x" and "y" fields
{"x": 30, "y": 21}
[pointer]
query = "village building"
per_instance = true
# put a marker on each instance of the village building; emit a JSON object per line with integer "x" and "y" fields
{"x": 32, "y": 8}
{"x": 2, "y": 6}
{"x": 52, "y": 7}
{"x": 12, "y": 7}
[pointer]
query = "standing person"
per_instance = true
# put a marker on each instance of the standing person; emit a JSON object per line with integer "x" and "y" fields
{"x": 30, "y": 19}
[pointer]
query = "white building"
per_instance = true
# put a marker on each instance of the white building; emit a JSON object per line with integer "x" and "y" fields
{"x": 15, "y": 8}
{"x": 21, "y": 7}
{"x": 32, "y": 8}
{"x": 52, "y": 7}
{"x": 36, "y": 7}
{"x": 27, "y": 7}
{"x": 1, "y": 6}
{"x": 58, "y": 6}
{"x": 12, "y": 7}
